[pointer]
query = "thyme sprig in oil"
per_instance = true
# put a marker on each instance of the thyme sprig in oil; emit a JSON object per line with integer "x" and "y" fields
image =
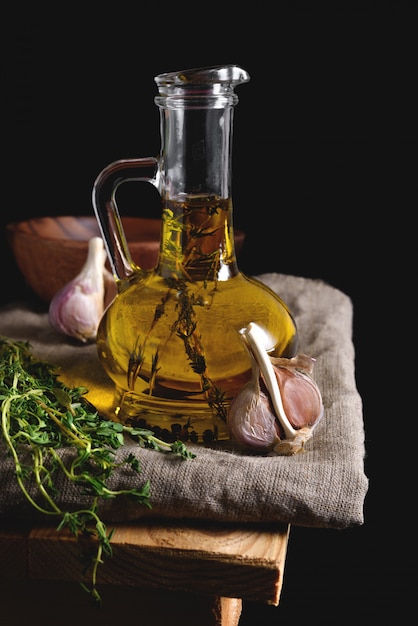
{"x": 185, "y": 326}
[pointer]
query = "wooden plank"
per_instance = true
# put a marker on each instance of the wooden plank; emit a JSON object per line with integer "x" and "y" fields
{"x": 181, "y": 573}
{"x": 219, "y": 560}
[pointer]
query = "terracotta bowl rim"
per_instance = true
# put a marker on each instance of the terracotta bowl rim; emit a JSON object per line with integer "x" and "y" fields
{"x": 17, "y": 227}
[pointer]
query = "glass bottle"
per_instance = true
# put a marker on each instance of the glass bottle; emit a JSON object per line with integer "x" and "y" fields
{"x": 170, "y": 339}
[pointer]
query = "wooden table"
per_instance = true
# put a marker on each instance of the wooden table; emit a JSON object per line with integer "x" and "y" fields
{"x": 173, "y": 573}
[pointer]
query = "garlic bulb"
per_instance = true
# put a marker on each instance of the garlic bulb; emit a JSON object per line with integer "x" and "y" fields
{"x": 276, "y": 411}
{"x": 77, "y": 308}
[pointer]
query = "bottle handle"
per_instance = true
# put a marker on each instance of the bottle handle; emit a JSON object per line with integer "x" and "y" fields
{"x": 107, "y": 212}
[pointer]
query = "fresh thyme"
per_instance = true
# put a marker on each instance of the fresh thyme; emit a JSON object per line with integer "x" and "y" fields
{"x": 41, "y": 415}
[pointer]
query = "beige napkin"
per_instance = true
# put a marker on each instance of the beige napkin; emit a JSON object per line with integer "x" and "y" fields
{"x": 325, "y": 486}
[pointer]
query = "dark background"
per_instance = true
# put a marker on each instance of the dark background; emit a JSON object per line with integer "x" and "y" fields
{"x": 324, "y": 172}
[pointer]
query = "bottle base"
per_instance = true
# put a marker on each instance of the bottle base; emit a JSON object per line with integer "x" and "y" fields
{"x": 171, "y": 422}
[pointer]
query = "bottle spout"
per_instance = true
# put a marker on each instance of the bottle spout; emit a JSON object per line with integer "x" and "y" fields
{"x": 231, "y": 75}
{"x": 203, "y": 87}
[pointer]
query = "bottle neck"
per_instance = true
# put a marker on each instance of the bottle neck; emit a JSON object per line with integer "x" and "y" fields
{"x": 197, "y": 239}
{"x": 196, "y": 152}
{"x": 196, "y": 125}
{"x": 195, "y": 186}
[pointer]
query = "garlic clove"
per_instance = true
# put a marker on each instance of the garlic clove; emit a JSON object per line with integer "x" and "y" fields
{"x": 251, "y": 420}
{"x": 77, "y": 308}
{"x": 281, "y": 404}
{"x": 253, "y": 338}
{"x": 301, "y": 399}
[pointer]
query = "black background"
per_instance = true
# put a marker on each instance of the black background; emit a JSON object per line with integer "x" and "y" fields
{"x": 324, "y": 171}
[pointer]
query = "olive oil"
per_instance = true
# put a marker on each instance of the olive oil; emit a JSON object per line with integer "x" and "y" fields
{"x": 170, "y": 341}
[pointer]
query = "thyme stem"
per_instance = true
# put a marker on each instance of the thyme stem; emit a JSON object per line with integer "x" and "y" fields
{"x": 40, "y": 417}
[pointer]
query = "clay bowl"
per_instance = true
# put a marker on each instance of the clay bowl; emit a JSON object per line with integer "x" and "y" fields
{"x": 50, "y": 251}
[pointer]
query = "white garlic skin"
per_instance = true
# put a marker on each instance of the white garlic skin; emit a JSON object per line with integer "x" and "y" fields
{"x": 77, "y": 308}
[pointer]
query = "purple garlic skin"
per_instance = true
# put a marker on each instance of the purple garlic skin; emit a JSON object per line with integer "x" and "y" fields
{"x": 251, "y": 420}
{"x": 77, "y": 308}
{"x": 301, "y": 397}
{"x": 277, "y": 410}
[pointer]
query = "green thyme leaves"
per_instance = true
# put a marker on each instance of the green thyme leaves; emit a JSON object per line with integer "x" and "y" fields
{"x": 41, "y": 415}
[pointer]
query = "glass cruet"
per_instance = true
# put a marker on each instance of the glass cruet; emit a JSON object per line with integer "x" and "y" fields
{"x": 170, "y": 339}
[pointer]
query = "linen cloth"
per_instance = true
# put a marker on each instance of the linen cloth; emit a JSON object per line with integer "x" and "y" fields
{"x": 324, "y": 486}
